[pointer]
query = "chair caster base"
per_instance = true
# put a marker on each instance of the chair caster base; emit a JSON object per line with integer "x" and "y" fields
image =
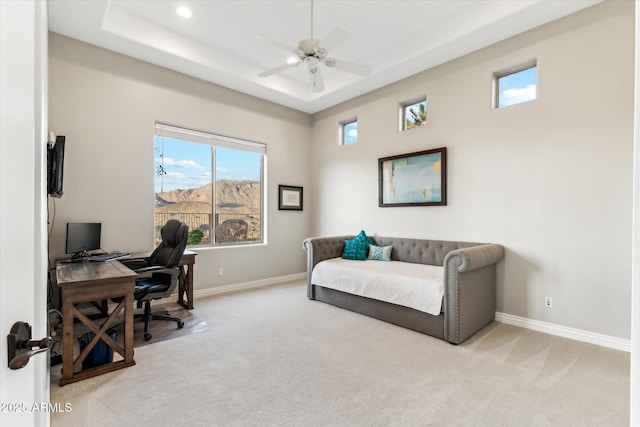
{"x": 147, "y": 336}
{"x": 180, "y": 325}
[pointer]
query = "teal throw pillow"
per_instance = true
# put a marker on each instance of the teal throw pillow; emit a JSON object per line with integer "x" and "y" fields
{"x": 357, "y": 247}
{"x": 380, "y": 253}
{"x": 362, "y": 236}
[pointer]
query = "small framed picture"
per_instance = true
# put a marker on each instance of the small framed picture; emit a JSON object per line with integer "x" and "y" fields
{"x": 289, "y": 198}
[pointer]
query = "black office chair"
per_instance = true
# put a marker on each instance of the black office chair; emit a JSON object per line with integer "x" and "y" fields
{"x": 160, "y": 272}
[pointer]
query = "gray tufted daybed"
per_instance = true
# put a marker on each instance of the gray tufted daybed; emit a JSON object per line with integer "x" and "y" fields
{"x": 469, "y": 275}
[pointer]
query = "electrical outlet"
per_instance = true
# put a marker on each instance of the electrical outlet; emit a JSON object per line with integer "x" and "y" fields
{"x": 220, "y": 272}
{"x": 548, "y": 302}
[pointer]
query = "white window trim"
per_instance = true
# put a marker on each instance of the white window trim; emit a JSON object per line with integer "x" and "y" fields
{"x": 342, "y": 136}
{"x": 175, "y": 132}
{"x": 495, "y": 102}
{"x": 402, "y": 106}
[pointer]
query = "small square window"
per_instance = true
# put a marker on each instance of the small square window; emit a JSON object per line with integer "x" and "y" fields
{"x": 516, "y": 86}
{"x": 413, "y": 114}
{"x": 349, "y": 132}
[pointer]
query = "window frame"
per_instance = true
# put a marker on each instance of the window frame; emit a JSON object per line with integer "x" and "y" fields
{"x": 343, "y": 131}
{"x": 508, "y": 72}
{"x": 220, "y": 141}
{"x": 402, "y": 110}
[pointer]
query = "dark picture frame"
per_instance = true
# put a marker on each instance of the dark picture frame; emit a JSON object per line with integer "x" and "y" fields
{"x": 289, "y": 198}
{"x": 413, "y": 179}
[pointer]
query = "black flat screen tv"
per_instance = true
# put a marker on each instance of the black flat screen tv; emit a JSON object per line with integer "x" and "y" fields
{"x": 82, "y": 237}
{"x": 55, "y": 167}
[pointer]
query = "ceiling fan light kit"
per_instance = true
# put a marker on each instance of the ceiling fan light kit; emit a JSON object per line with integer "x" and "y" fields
{"x": 313, "y": 52}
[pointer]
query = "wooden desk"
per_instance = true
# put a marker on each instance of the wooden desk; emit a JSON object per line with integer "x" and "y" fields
{"x": 185, "y": 280}
{"x": 88, "y": 281}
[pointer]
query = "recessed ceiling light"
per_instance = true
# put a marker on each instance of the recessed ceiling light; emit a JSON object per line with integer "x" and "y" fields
{"x": 184, "y": 11}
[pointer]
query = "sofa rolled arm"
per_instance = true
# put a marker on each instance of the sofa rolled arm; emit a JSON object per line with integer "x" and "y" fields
{"x": 321, "y": 248}
{"x": 318, "y": 249}
{"x": 470, "y": 290}
{"x": 472, "y": 258}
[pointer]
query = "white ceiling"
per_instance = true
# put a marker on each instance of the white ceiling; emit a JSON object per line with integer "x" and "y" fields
{"x": 220, "y": 43}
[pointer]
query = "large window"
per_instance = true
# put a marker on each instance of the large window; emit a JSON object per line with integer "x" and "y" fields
{"x": 213, "y": 183}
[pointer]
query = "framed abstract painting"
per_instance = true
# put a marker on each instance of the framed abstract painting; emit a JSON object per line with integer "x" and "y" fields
{"x": 413, "y": 179}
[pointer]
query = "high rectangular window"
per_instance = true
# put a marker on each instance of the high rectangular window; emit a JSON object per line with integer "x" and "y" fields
{"x": 213, "y": 183}
{"x": 349, "y": 132}
{"x": 516, "y": 86}
{"x": 413, "y": 114}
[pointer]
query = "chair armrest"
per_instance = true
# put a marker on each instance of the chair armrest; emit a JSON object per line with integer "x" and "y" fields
{"x": 134, "y": 264}
{"x": 139, "y": 256}
{"x": 151, "y": 271}
{"x": 153, "y": 268}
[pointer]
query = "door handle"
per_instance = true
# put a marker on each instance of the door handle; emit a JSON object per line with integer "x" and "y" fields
{"x": 21, "y": 347}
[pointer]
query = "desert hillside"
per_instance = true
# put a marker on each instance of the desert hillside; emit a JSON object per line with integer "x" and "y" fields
{"x": 231, "y": 196}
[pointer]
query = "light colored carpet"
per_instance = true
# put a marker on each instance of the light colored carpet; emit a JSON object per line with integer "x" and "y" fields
{"x": 270, "y": 357}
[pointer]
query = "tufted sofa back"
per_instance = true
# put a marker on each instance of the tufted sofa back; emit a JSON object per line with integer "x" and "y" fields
{"x": 417, "y": 251}
{"x": 420, "y": 251}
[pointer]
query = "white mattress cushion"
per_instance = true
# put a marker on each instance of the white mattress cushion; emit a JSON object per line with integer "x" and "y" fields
{"x": 417, "y": 286}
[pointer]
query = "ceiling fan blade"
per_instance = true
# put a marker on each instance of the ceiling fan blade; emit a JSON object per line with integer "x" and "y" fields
{"x": 275, "y": 43}
{"x": 315, "y": 77}
{"x": 275, "y": 70}
{"x": 334, "y": 39}
{"x": 348, "y": 66}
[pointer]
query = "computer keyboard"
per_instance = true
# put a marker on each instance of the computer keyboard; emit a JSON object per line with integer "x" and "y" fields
{"x": 108, "y": 257}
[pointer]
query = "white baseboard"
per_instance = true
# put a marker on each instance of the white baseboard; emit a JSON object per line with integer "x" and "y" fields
{"x": 248, "y": 285}
{"x": 565, "y": 332}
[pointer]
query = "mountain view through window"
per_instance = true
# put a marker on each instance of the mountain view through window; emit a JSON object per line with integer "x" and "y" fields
{"x": 215, "y": 190}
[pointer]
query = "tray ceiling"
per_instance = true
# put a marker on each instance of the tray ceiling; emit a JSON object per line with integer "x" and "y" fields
{"x": 220, "y": 42}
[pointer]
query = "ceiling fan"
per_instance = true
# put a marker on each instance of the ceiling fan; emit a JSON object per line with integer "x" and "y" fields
{"x": 314, "y": 52}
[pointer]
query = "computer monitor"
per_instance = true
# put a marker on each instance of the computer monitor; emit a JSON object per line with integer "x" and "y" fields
{"x": 82, "y": 237}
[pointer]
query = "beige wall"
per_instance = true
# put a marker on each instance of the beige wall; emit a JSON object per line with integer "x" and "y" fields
{"x": 550, "y": 179}
{"x": 106, "y": 104}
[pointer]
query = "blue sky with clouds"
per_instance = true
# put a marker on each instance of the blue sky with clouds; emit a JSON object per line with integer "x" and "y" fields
{"x": 518, "y": 87}
{"x": 351, "y": 133}
{"x": 189, "y": 165}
